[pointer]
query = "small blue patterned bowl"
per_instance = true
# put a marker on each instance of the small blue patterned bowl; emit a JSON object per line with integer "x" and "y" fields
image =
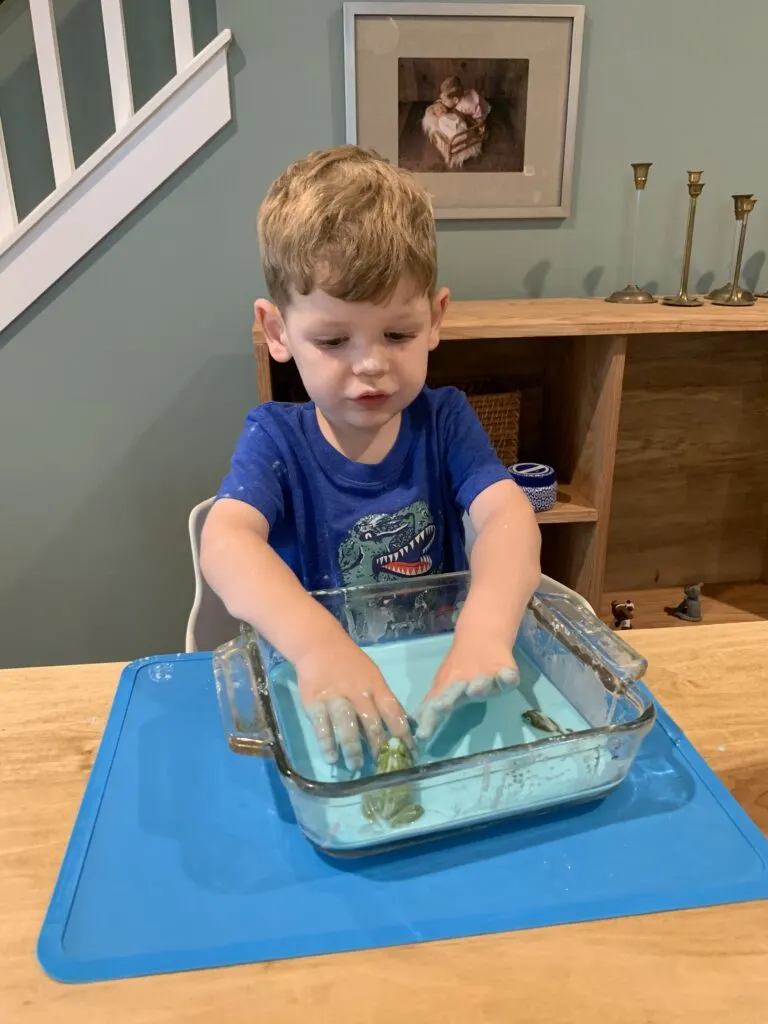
{"x": 539, "y": 483}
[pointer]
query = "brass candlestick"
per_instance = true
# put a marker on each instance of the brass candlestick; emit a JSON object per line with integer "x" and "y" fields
{"x": 744, "y": 205}
{"x": 632, "y": 294}
{"x": 725, "y": 290}
{"x": 695, "y": 188}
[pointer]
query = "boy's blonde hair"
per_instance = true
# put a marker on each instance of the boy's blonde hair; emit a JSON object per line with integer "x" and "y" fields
{"x": 346, "y": 221}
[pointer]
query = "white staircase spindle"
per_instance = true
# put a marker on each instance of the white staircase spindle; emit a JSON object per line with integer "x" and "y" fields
{"x": 128, "y": 167}
{"x": 8, "y": 217}
{"x": 54, "y": 103}
{"x": 182, "y": 33}
{"x": 117, "y": 59}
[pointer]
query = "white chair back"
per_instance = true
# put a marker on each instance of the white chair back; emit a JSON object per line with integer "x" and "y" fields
{"x": 209, "y": 624}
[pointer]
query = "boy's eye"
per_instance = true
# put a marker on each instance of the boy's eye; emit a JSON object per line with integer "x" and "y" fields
{"x": 329, "y": 342}
{"x": 397, "y": 336}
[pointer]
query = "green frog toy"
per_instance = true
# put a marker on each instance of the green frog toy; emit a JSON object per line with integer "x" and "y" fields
{"x": 393, "y": 804}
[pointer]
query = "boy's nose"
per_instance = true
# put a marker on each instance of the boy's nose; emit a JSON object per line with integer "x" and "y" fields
{"x": 371, "y": 365}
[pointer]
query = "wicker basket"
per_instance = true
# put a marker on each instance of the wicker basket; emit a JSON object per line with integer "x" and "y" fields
{"x": 500, "y": 416}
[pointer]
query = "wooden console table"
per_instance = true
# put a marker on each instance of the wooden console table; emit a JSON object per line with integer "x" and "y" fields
{"x": 690, "y": 454}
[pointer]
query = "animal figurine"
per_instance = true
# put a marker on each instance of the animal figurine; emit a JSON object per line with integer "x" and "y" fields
{"x": 538, "y": 720}
{"x": 689, "y": 609}
{"x": 623, "y": 612}
{"x": 393, "y": 805}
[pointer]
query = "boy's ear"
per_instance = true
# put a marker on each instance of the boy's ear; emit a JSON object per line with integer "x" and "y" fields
{"x": 439, "y": 306}
{"x": 273, "y": 328}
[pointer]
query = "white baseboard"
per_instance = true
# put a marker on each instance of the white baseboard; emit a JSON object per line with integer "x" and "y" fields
{"x": 114, "y": 180}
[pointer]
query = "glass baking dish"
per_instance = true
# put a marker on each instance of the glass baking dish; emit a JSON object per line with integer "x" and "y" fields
{"x": 487, "y": 762}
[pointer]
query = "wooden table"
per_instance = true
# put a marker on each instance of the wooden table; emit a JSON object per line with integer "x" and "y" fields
{"x": 695, "y": 966}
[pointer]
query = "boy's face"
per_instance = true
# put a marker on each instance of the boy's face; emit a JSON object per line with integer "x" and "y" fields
{"x": 361, "y": 363}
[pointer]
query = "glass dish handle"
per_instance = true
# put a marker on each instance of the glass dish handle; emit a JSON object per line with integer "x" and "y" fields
{"x": 239, "y": 683}
{"x": 574, "y": 618}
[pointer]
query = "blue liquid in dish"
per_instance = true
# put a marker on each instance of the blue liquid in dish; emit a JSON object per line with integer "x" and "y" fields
{"x": 528, "y": 778}
{"x": 409, "y": 666}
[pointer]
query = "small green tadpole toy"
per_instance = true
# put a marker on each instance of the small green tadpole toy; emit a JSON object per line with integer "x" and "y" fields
{"x": 393, "y": 805}
{"x": 538, "y": 720}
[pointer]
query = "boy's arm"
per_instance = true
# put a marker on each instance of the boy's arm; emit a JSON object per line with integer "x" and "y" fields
{"x": 256, "y": 585}
{"x": 505, "y": 563}
{"x": 505, "y": 571}
{"x": 339, "y": 684}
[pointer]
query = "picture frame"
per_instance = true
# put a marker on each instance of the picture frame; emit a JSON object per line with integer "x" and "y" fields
{"x": 479, "y": 100}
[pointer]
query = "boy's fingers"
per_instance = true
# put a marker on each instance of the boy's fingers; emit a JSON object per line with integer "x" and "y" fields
{"x": 394, "y": 715}
{"x": 509, "y": 676}
{"x": 484, "y": 686}
{"x": 321, "y": 723}
{"x": 344, "y": 720}
{"x": 370, "y": 719}
{"x": 480, "y": 687}
{"x": 436, "y": 709}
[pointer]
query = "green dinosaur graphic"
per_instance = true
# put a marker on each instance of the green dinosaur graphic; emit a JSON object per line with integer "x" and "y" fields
{"x": 383, "y": 546}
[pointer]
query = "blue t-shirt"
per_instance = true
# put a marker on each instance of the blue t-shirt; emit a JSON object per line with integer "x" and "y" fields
{"x": 342, "y": 523}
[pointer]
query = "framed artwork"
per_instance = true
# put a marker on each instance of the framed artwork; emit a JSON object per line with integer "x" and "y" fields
{"x": 480, "y": 100}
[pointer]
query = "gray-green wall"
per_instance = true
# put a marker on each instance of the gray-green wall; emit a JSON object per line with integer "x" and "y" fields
{"x": 123, "y": 388}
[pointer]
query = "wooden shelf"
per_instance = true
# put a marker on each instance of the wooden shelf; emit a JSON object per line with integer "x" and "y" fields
{"x": 569, "y": 508}
{"x": 720, "y": 602}
{"x": 696, "y": 400}
{"x": 553, "y": 318}
{"x": 562, "y": 318}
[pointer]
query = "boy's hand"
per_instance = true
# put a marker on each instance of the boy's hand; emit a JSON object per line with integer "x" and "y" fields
{"x": 505, "y": 572}
{"x": 341, "y": 689}
{"x": 477, "y": 667}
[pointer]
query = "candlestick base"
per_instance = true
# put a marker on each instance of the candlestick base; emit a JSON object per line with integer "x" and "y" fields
{"x": 725, "y": 291}
{"x": 741, "y": 297}
{"x": 631, "y": 295}
{"x": 683, "y": 299}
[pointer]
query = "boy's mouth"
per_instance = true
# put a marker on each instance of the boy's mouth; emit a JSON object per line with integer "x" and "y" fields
{"x": 412, "y": 558}
{"x": 371, "y": 399}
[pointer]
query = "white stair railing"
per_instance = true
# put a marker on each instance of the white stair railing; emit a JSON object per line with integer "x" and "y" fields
{"x": 88, "y": 201}
{"x": 8, "y": 217}
{"x": 52, "y": 86}
{"x": 117, "y": 61}
{"x": 182, "y": 33}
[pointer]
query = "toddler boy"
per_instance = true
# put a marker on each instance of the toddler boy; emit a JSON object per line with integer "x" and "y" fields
{"x": 369, "y": 480}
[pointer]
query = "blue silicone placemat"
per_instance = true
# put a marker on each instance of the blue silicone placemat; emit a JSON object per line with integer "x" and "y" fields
{"x": 185, "y": 855}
